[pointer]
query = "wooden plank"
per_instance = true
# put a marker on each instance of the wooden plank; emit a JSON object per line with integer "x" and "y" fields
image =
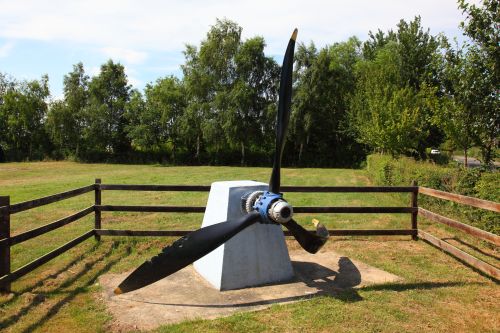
{"x": 414, "y": 204}
{"x": 49, "y": 227}
{"x": 480, "y": 203}
{"x": 304, "y": 189}
{"x": 97, "y": 202}
{"x": 186, "y": 209}
{"x": 336, "y": 232}
{"x": 347, "y": 189}
{"x": 174, "y": 188}
{"x": 115, "y": 232}
{"x": 22, "y": 206}
{"x": 4, "y": 246}
{"x": 45, "y": 258}
{"x": 463, "y": 256}
{"x": 359, "y": 210}
{"x": 371, "y": 232}
{"x": 476, "y": 232}
{"x": 160, "y": 209}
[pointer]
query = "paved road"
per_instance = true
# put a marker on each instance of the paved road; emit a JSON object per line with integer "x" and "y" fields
{"x": 471, "y": 161}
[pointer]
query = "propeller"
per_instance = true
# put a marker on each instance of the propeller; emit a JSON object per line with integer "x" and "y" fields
{"x": 263, "y": 207}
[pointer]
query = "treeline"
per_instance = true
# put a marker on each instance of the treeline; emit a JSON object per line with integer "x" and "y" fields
{"x": 400, "y": 92}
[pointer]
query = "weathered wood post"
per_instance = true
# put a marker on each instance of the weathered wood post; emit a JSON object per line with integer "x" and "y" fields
{"x": 5, "y": 245}
{"x": 414, "y": 204}
{"x": 97, "y": 224}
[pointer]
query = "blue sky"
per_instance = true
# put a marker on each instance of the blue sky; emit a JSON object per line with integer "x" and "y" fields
{"x": 148, "y": 36}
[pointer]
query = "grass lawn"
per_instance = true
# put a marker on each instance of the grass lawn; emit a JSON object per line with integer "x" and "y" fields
{"x": 437, "y": 293}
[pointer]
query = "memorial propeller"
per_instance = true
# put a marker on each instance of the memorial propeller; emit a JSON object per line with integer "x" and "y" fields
{"x": 264, "y": 207}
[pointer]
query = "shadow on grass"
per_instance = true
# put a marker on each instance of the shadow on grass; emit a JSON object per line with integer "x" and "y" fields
{"x": 41, "y": 297}
{"x": 469, "y": 265}
{"x": 417, "y": 286}
{"x": 470, "y": 246}
{"x": 40, "y": 282}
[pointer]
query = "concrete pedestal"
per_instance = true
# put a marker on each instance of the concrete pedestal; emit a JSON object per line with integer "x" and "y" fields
{"x": 257, "y": 255}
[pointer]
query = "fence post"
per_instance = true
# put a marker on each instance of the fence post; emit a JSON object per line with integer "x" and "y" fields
{"x": 414, "y": 204}
{"x": 5, "y": 246}
{"x": 97, "y": 224}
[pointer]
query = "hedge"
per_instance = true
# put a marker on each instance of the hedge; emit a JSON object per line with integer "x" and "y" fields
{"x": 385, "y": 170}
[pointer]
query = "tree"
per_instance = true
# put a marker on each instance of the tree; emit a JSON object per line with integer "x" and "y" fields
{"x": 76, "y": 95}
{"x": 321, "y": 103}
{"x": 104, "y": 117}
{"x": 252, "y": 95}
{"x": 59, "y": 123}
{"x": 398, "y": 72}
{"x": 216, "y": 60}
{"x": 482, "y": 75}
{"x": 303, "y": 101}
{"x": 6, "y": 84}
{"x": 156, "y": 121}
{"x": 230, "y": 85}
{"x": 65, "y": 121}
{"x": 23, "y": 111}
{"x": 389, "y": 115}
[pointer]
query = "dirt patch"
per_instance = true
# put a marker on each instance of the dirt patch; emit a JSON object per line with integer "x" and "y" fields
{"x": 186, "y": 295}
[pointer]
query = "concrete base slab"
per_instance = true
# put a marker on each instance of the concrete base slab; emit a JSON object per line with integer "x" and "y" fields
{"x": 185, "y": 295}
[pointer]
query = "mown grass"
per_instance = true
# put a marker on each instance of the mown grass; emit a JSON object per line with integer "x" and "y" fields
{"x": 437, "y": 293}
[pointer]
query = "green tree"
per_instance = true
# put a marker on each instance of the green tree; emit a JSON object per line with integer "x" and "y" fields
{"x": 59, "y": 122}
{"x": 482, "y": 72}
{"x": 155, "y": 121}
{"x": 389, "y": 115}
{"x": 251, "y": 97}
{"x": 230, "y": 86}
{"x": 65, "y": 122}
{"x": 320, "y": 113}
{"x": 104, "y": 116}
{"x": 23, "y": 109}
{"x": 398, "y": 71}
{"x": 7, "y": 84}
{"x": 303, "y": 100}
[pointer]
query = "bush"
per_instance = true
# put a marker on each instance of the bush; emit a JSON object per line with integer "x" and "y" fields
{"x": 385, "y": 170}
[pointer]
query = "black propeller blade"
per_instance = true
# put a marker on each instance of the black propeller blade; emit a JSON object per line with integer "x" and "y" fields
{"x": 285, "y": 100}
{"x": 309, "y": 241}
{"x": 185, "y": 251}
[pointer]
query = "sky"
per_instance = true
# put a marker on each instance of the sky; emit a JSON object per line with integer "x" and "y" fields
{"x": 149, "y": 36}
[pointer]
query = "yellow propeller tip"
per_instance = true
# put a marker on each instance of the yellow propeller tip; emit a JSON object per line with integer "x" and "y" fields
{"x": 118, "y": 291}
{"x": 294, "y": 35}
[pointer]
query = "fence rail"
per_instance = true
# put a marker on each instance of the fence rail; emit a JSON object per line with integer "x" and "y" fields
{"x": 7, "y": 209}
{"x": 463, "y": 199}
{"x": 465, "y": 257}
{"x": 476, "y": 232}
{"x": 22, "y": 206}
{"x": 340, "y": 232}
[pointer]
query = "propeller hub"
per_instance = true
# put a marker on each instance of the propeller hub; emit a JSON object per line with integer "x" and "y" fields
{"x": 273, "y": 208}
{"x": 281, "y": 211}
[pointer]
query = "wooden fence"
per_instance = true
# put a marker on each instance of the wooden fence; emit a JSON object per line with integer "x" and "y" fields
{"x": 7, "y": 209}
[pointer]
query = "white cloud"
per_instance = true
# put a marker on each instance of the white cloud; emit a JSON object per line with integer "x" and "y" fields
{"x": 94, "y": 70}
{"x": 135, "y": 82}
{"x": 131, "y": 77}
{"x": 157, "y": 25}
{"x": 5, "y": 49}
{"x": 125, "y": 55}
